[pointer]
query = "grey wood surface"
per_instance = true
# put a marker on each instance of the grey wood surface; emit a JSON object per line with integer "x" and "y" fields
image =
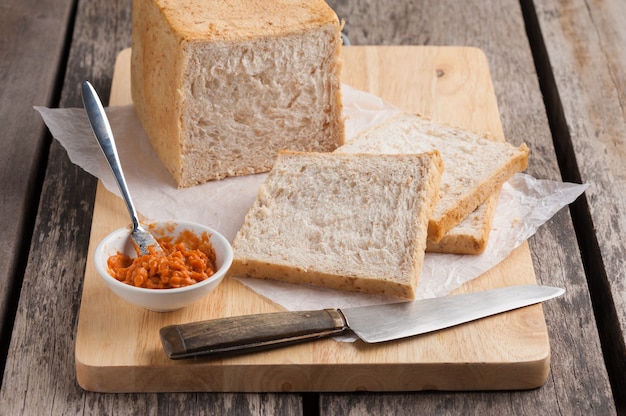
{"x": 498, "y": 29}
{"x": 585, "y": 65}
{"x": 39, "y": 374}
{"x": 27, "y": 39}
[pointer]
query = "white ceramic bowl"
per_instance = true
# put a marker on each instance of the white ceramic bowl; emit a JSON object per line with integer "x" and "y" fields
{"x": 162, "y": 300}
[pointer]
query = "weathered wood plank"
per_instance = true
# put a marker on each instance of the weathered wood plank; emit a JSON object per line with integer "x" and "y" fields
{"x": 29, "y": 35}
{"x": 577, "y": 384}
{"x": 585, "y": 52}
{"x": 39, "y": 374}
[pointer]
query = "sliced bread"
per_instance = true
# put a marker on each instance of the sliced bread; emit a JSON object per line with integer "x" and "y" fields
{"x": 471, "y": 235}
{"x": 221, "y": 87}
{"x": 475, "y": 166}
{"x": 345, "y": 221}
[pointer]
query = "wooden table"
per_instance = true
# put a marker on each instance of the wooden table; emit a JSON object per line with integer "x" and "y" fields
{"x": 559, "y": 73}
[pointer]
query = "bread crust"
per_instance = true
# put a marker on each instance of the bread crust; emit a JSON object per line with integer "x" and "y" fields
{"x": 288, "y": 236}
{"x": 291, "y": 273}
{"x": 476, "y": 168}
{"x": 471, "y": 235}
{"x": 439, "y": 226}
{"x": 220, "y": 90}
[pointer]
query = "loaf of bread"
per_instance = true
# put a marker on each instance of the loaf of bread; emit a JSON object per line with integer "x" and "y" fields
{"x": 475, "y": 166}
{"x": 345, "y": 221}
{"x": 220, "y": 87}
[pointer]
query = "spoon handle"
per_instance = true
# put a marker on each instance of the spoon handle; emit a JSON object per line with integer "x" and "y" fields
{"x": 104, "y": 135}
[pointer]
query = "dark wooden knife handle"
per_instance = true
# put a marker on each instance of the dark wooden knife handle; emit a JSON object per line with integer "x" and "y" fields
{"x": 241, "y": 334}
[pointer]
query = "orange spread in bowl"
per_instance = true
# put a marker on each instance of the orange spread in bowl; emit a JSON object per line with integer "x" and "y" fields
{"x": 187, "y": 260}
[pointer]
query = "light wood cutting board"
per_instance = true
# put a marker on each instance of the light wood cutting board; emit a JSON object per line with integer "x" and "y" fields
{"x": 118, "y": 347}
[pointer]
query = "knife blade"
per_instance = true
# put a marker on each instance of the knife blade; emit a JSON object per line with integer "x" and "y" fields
{"x": 372, "y": 324}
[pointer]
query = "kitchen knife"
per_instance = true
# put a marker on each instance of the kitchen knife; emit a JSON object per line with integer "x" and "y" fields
{"x": 248, "y": 333}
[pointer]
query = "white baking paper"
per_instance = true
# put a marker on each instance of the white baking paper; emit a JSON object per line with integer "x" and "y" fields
{"x": 525, "y": 203}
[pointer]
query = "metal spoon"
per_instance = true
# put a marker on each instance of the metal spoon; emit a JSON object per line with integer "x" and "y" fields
{"x": 104, "y": 135}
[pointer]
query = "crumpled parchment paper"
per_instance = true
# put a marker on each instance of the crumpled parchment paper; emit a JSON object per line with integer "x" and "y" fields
{"x": 525, "y": 202}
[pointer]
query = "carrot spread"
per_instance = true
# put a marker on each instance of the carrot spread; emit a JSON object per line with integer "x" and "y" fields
{"x": 187, "y": 260}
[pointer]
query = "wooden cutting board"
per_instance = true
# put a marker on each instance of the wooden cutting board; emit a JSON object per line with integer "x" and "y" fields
{"x": 118, "y": 347}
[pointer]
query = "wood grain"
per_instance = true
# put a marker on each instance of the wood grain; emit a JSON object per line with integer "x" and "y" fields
{"x": 586, "y": 89}
{"x": 578, "y": 383}
{"x": 27, "y": 38}
{"x": 40, "y": 376}
{"x": 509, "y": 351}
{"x": 40, "y": 372}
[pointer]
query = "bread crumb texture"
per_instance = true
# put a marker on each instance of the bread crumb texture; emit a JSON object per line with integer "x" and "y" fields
{"x": 220, "y": 87}
{"x": 471, "y": 235}
{"x": 352, "y": 222}
{"x": 475, "y": 166}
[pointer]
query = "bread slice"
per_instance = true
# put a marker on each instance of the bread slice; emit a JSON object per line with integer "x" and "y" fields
{"x": 475, "y": 167}
{"x": 221, "y": 87}
{"x": 345, "y": 221}
{"x": 471, "y": 235}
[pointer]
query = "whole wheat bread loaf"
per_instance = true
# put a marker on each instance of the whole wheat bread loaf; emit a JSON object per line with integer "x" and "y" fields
{"x": 221, "y": 87}
{"x": 345, "y": 221}
{"x": 475, "y": 166}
